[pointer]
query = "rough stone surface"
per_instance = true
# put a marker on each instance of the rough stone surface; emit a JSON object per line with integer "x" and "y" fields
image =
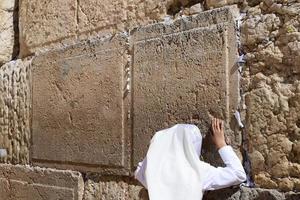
{"x": 184, "y": 73}
{"x": 15, "y": 106}
{"x": 250, "y": 194}
{"x": 25, "y": 183}
{"x": 270, "y": 38}
{"x": 111, "y": 188}
{"x": 6, "y": 30}
{"x": 80, "y": 107}
{"x": 43, "y": 22}
{"x": 121, "y": 188}
{"x": 48, "y": 24}
{"x": 220, "y": 3}
{"x": 270, "y": 85}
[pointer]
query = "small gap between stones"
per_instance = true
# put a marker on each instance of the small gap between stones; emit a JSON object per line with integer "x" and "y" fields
{"x": 177, "y": 5}
{"x": 16, "y": 45}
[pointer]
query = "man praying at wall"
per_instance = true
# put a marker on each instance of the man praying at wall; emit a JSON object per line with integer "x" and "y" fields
{"x": 172, "y": 169}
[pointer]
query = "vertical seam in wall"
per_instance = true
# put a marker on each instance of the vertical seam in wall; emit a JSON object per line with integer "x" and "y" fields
{"x": 245, "y": 142}
{"x": 16, "y": 45}
{"x": 227, "y": 117}
{"x": 30, "y": 81}
{"x": 131, "y": 52}
{"x": 77, "y": 18}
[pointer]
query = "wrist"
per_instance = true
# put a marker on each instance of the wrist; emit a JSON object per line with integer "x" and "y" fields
{"x": 220, "y": 145}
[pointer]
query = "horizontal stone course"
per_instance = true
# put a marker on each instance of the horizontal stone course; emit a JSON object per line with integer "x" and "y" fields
{"x": 25, "y": 183}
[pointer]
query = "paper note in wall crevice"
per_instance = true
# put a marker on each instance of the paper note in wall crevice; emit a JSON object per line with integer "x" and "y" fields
{"x": 3, "y": 153}
{"x": 238, "y": 119}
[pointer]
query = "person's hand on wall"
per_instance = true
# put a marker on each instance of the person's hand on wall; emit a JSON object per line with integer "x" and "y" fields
{"x": 218, "y": 136}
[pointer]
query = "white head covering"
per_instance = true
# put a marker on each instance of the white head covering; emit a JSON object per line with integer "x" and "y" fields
{"x": 173, "y": 164}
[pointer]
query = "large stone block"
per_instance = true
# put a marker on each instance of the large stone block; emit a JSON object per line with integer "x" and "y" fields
{"x": 119, "y": 14}
{"x": 6, "y": 30}
{"x": 273, "y": 113}
{"x": 183, "y": 72}
{"x": 44, "y": 22}
{"x": 15, "y": 108}
{"x": 51, "y": 24}
{"x": 113, "y": 187}
{"x": 26, "y": 183}
{"x": 80, "y": 107}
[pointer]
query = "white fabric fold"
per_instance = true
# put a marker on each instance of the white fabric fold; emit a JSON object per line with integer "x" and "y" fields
{"x": 173, "y": 169}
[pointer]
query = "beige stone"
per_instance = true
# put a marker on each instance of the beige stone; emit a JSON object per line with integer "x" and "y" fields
{"x": 286, "y": 184}
{"x": 295, "y": 170}
{"x": 270, "y": 36}
{"x": 80, "y": 107}
{"x": 268, "y": 127}
{"x": 50, "y": 24}
{"x": 195, "y": 9}
{"x": 258, "y": 161}
{"x": 119, "y": 15}
{"x": 219, "y": 3}
{"x": 184, "y": 73}
{"x": 93, "y": 14}
{"x": 297, "y": 184}
{"x": 15, "y": 108}
{"x": 111, "y": 188}
{"x": 25, "y": 183}
{"x": 264, "y": 181}
{"x": 6, "y": 30}
{"x": 44, "y": 22}
{"x": 296, "y": 151}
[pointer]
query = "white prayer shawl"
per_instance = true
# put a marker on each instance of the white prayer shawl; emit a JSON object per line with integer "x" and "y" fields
{"x": 173, "y": 170}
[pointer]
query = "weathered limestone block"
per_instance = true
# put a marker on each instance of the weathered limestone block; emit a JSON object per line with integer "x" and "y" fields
{"x": 259, "y": 28}
{"x": 270, "y": 36}
{"x": 15, "y": 108}
{"x": 250, "y": 194}
{"x": 93, "y": 14}
{"x": 273, "y": 113}
{"x": 80, "y": 107}
{"x": 6, "y": 30}
{"x": 184, "y": 73}
{"x": 26, "y": 183}
{"x": 219, "y": 3}
{"x": 111, "y": 188}
{"x": 50, "y": 24}
{"x": 119, "y": 15}
{"x": 44, "y": 22}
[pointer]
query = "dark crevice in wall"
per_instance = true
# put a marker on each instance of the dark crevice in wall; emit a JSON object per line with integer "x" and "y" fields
{"x": 241, "y": 64}
{"x": 177, "y": 5}
{"x": 246, "y": 159}
{"x": 16, "y": 47}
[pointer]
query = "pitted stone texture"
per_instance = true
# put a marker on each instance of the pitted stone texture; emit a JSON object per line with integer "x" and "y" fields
{"x": 6, "y": 30}
{"x": 15, "y": 106}
{"x": 272, "y": 122}
{"x": 79, "y": 107}
{"x": 50, "y": 24}
{"x": 184, "y": 73}
{"x": 111, "y": 188}
{"x": 220, "y": 3}
{"x": 270, "y": 36}
{"x": 250, "y": 194}
{"x": 26, "y": 183}
{"x": 43, "y": 22}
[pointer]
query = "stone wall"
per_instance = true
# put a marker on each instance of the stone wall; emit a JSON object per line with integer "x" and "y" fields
{"x": 82, "y": 94}
{"x": 270, "y": 38}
